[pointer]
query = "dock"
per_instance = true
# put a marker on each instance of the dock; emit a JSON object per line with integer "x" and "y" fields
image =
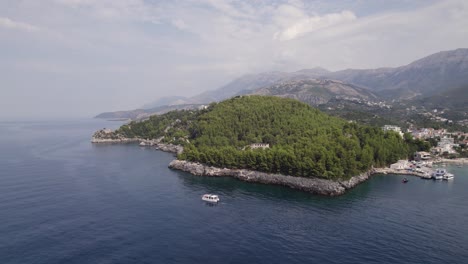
{"x": 424, "y": 174}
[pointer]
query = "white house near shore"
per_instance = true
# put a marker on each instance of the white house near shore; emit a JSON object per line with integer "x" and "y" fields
{"x": 400, "y": 165}
{"x": 422, "y": 155}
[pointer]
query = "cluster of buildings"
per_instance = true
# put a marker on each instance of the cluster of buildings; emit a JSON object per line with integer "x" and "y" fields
{"x": 425, "y": 133}
{"x": 463, "y": 122}
{"x": 435, "y": 117}
{"x": 446, "y": 143}
{"x": 380, "y": 104}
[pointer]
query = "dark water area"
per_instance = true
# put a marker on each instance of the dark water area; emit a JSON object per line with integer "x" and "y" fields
{"x": 65, "y": 200}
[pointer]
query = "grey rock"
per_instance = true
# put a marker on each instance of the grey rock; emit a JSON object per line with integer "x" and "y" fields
{"x": 312, "y": 185}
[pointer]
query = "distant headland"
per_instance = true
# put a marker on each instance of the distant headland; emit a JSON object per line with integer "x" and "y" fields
{"x": 268, "y": 140}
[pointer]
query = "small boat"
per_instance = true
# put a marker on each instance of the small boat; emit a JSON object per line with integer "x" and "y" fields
{"x": 448, "y": 176}
{"x": 212, "y": 198}
{"x": 404, "y": 180}
{"x": 142, "y": 144}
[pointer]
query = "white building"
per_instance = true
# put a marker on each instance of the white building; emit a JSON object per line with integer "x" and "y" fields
{"x": 400, "y": 165}
{"x": 446, "y": 144}
{"x": 393, "y": 128}
{"x": 422, "y": 155}
{"x": 259, "y": 145}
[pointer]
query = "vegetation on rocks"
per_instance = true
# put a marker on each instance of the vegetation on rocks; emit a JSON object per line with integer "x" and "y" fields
{"x": 303, "y": 141}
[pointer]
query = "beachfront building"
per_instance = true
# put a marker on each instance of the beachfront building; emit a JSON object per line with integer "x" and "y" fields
{"x": 421, "y": 155}
{"x": 401, "y": 165}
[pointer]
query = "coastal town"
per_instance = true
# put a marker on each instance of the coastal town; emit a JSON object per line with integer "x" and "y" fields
{"x": 446, "y": 148}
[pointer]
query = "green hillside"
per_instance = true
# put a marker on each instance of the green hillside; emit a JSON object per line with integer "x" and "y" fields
{"x": 303, "y": 141}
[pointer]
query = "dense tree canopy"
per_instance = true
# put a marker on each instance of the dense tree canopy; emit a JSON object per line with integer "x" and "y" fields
{"x": 303, "y": 141}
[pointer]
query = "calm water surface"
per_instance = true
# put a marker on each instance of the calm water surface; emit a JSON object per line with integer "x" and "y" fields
{"x": 64, "y": 200}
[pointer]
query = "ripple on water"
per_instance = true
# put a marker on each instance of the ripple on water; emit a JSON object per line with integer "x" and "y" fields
{"x": 64, "y": 200}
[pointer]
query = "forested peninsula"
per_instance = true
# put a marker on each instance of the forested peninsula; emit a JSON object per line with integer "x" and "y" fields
{"x": 272, "y": 135}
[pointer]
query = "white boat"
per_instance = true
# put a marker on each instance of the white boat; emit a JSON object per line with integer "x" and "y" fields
{"x": 448, "y": 176}
{"x": 142, "y": 144}
{"x": 438, "y": 174}
{"x": 212, "y": 198}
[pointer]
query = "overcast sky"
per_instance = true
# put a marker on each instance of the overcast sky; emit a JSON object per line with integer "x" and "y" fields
{"x": 82, "y": 57}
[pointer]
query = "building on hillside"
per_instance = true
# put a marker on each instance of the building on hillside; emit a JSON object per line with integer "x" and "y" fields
{"x": 393, "y": 128}
{"x": 425, "y": 133}
{"x": 446, "y": 144}
{"x": 259, "y": 145}
{"x": 422, "y": 155}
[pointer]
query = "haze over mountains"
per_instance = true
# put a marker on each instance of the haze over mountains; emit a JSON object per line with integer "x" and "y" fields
{"x": 315, "y": 91}
{"x": 438, "y": 73}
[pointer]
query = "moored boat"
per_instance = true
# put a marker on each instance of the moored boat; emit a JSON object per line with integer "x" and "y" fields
{"x": 438, "y": 174}
{"x": 448, "y": 176}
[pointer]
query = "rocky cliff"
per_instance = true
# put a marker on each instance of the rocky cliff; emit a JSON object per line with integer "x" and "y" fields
{"x": 312, "y": 185}
{"x": 109, "y": 136}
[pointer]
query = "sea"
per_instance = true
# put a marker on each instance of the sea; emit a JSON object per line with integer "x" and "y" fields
{"x": 65, "y": 200}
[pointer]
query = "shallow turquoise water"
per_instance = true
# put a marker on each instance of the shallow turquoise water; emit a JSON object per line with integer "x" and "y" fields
{"x": 64, "y": 200}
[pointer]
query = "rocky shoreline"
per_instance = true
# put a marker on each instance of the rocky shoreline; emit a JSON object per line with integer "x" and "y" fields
{"x": 458, "y": 161}
{"x": 176, "y": 149}
{"x": 115, "y": 141}
{"x": 108, "y": 136}
{"x": 312, "y": 185}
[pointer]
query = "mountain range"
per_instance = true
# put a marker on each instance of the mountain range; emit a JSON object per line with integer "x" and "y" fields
{"x": 439, "y": 73}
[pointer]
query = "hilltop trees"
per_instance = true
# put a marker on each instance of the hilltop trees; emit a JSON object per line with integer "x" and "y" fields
{"x": 303, "y": 141}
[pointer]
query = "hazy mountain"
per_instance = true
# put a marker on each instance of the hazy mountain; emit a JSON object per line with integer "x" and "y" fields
{"x": 454, "y": 99}
{"x": 423, "y": 78}
{"x": 168, "y": 100}
{"x": 427, "y": 76}
{"x": 315, "y": 92}
{"x": 246, "y": 82}
{"x": 144, "y": 113}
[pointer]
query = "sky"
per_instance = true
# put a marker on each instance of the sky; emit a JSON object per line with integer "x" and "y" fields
{"x": 78, "y": 58}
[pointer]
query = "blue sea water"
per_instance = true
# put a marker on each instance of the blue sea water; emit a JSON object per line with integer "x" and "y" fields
{"x": 64, "y": 200}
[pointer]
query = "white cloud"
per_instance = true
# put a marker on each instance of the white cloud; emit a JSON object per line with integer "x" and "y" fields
{"x": 306, "y": 25}
{"x": 145, "y": 49}
{"x": 10, "y": 24}
{"x": 136, "y": 10}
{"x": 179, "y": 23}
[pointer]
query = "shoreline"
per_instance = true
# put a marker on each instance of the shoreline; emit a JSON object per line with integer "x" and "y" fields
{"x": 171, "y": 148}
{"x": 461, "y": 161}
{"x": 312, "y": 185}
